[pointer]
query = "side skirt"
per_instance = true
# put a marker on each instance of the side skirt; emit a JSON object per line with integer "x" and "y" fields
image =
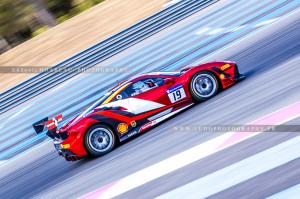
{"x": 148, "y": 125}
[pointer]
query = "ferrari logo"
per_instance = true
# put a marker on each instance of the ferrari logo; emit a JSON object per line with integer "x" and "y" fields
{"x": 133, "y": 124}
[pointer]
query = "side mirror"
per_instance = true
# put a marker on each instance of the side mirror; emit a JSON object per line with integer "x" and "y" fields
{"x": 169, "y": 81}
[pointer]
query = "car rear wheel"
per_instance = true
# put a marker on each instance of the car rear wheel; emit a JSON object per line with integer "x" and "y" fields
{"x": 99, "y": 140}
{"x": 203, "y": 86}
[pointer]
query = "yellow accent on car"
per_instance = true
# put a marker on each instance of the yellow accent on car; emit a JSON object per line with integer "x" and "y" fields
{"x": 115, "y": 93}
{"x": 222, "y": 76}
{"x": 133, "y": 124}
{"x": 224, "y": 67}
{"x": 65, "y": 146}
{"x": 122, "y": 128}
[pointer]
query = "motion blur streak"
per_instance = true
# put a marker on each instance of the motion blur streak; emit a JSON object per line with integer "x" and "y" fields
{"x": 238, "y": 172}
{"x": 191, "y": 49}
{"x": 291, "y": 193}
{"x": 194, "y": 154}
{"x": 268, "y": 55}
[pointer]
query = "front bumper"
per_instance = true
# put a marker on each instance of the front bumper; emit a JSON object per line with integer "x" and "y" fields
{"x": 237, "y": 75}
{"x": 240, "y": 78}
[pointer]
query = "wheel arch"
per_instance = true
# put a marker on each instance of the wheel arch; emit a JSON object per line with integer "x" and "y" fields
{"x": 216, "y": 76}
{"x": 214, "y": 73}
{"x": 99, "y": 123}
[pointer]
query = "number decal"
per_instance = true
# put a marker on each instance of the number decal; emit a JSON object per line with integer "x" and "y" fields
{"x": 174, "y": 96}
{"x": 176, "y": 93}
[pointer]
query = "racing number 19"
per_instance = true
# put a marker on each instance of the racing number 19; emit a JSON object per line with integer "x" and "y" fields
{"x": 177, "y": 95}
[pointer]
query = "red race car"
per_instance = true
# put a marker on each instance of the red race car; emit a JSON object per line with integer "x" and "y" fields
{"x": 135, "y": 105}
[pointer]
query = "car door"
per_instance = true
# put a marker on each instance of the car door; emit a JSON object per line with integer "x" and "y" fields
{"x": 138, "y": 100}
{"x": 148, "y": 98}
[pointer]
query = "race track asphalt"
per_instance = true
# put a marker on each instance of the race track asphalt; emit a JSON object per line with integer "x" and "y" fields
{"x": 270, "y": 60}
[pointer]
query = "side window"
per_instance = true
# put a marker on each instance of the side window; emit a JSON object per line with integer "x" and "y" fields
{"x": 139, "y": 87}
{"x": 159, "y": 81}
{"x": 144, "y": 85}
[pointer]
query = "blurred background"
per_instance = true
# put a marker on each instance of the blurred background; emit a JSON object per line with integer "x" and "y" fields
{"x": 28, "y": 37}
{"x": 24, "y": 19}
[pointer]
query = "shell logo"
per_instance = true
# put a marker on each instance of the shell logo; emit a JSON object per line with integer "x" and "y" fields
{"x": 122, "y": 128}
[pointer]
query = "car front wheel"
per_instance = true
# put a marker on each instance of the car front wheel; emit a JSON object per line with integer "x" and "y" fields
{"x": 203, "y": 86}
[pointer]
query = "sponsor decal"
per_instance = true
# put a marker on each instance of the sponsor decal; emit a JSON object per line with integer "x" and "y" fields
{"x": 132, "y": 133}
{"x": 174, "y": 88}
{"x": 122, "y": 128}
{"x": 146, "y": 126}
{"x": 176, "y": 93}
{"x": 133, "y": 124}
{"x": 119, "y": 97}
{"x": 226, "y": 66}
{"x": 149, "y": 124}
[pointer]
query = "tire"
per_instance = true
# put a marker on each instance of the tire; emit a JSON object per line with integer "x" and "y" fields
{"x": 99, "y": 140}
{"x": 203, "y": 86}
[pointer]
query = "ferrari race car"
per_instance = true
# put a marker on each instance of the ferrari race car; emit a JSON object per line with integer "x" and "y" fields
{"x": 135, "y": 105}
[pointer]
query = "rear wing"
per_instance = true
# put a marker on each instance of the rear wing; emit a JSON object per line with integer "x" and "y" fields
{"x": 50, "y": 124}
{"x": 40, "y": 125}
